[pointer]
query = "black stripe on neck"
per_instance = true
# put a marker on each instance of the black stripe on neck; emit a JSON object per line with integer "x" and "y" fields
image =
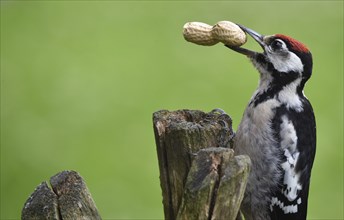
{"x": 280, "y": 80}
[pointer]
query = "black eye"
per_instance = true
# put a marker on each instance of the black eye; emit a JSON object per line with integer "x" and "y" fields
{"x": 276, "y": 45}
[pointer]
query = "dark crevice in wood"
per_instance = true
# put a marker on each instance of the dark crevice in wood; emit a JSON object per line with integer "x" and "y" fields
{"x": 168, "y": 183}
{"x": 57, "y": 196}
{"x": 216, "y": 187}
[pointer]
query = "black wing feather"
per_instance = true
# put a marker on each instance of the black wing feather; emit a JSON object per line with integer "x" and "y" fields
{"x": 305, "y": 127}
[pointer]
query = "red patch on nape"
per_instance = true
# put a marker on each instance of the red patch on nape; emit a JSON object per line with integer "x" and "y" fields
{"x": 295, "y": 45}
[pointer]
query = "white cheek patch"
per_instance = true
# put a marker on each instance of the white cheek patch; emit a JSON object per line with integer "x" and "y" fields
{"x": 286, "y": 64}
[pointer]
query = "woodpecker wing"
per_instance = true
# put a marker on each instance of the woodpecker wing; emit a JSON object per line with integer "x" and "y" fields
{"x": 296, "y": 131}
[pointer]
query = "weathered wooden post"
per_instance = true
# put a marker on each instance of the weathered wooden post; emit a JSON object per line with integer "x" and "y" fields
{"x": 68, "y": 199}
{"x": 199, "y": 175}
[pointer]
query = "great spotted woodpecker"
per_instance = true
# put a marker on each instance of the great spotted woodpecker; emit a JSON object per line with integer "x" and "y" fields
{"x": 278, "y": 130}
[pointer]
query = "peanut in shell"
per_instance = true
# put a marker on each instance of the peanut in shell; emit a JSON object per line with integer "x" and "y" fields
{"x": 206, "y": 35}
{"x": 228, "y": 33}
{"x": 199, "y": 33}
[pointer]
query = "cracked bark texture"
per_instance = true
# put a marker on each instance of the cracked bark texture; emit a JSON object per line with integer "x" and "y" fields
{"x": 199, "y": 175}
{"x": 68, "y": 198}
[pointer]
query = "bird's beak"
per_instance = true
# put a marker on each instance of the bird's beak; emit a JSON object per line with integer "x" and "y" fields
{"x": 256, "y": 36}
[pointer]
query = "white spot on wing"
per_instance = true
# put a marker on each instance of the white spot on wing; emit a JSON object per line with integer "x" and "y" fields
{"x": 288, "y": 135}
{"x": 290, "y": 209}
{"x": 286, "y": 208}
{"x": 288, "y": 143}
{"x": 291, "y": 179}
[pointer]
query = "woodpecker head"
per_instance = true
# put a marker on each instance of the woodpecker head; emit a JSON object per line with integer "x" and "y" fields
{"x": 283, "y": 59}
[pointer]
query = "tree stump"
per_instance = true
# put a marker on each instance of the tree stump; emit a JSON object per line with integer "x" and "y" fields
{"x": 69, "y": 198}
{"x": 199, "y": 175}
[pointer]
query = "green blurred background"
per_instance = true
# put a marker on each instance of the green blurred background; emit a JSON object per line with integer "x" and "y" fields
{"x": 81, "y": 79}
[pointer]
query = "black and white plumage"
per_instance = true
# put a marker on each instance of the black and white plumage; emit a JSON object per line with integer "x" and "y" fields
{"x": 278, "y": 131}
